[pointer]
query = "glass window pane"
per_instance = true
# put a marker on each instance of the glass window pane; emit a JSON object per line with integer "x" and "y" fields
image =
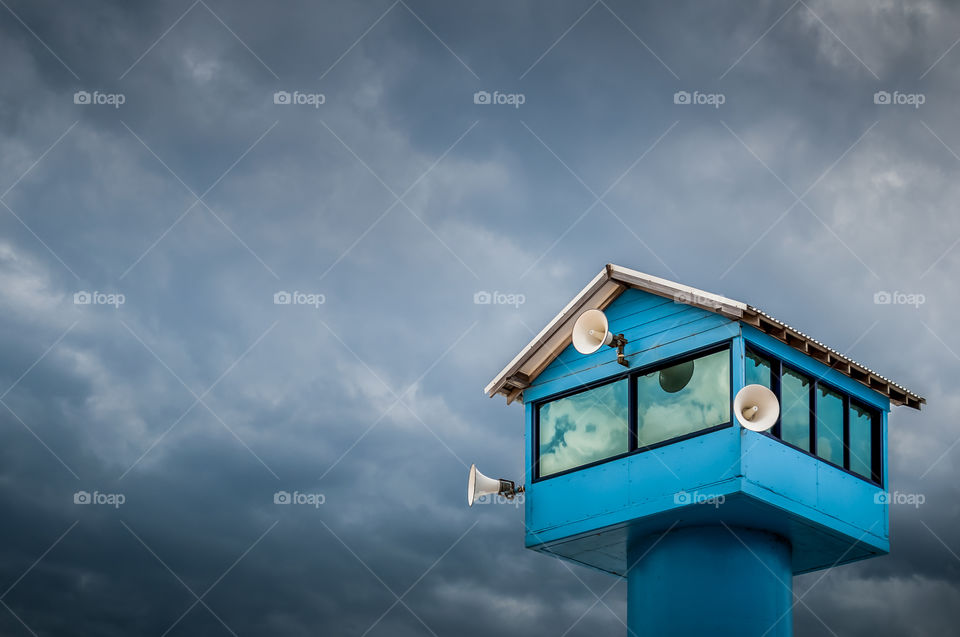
{"x": 757, "y": 369}
{"x": 795, "y": 409}
{"x": 861, "y": 441}
{"x": 584, "y": 428}
{"x": 683, "y": 398}
{"x": 830, "y": 425}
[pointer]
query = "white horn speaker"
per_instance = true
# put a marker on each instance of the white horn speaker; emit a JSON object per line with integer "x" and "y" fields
{"x": 756, "y": 408}
{"x": 591, "y": 332}
{"x": 479, "y": 485}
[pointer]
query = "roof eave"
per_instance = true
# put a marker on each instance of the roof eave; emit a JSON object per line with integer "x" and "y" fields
{"x": 583, "y": 300}
{"x": 898, "y": 394}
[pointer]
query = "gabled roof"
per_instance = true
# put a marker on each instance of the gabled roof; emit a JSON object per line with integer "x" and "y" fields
{"x": 614, "y": 279}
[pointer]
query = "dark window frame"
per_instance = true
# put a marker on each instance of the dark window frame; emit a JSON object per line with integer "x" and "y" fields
{"x": 876, "y": 426}
{"x": 811, "y": 400}
{"x": 876, "y": 440}
{"x": 631, "y": 376}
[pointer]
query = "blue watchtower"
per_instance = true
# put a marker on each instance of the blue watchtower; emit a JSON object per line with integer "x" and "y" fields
{"x": 640, "y": 469}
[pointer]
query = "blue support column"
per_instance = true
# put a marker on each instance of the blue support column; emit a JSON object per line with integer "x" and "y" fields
{"x": 710, "y": 580}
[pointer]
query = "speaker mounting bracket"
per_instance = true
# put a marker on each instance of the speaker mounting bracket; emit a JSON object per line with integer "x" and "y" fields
{"x": 509, "y": 489}
{"x": 619, "y": 341}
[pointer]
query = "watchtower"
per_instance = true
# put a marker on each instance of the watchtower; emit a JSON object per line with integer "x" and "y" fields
{"x": 637, "y": 463}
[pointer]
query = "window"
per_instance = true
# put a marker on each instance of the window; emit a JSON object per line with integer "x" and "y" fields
{"x": 643, "y": 408}
{"x": 795, "y": 409}
{"x": 758, "y": 370}
{"x": 583, "y": 428}
{"x": 862, "y": 431}
{"x": 683, "y": 398}
{"x": 820, "y": 419}
{"x": 830, "y": 425}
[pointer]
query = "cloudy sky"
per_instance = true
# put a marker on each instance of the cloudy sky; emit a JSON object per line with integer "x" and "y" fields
{"x": 174, "y": 161}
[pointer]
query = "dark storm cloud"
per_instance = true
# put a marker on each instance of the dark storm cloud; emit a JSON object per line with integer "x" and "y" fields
{"x": 199, "y": 398}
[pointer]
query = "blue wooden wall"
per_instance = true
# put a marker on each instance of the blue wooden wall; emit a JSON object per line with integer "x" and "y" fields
{"x": 656, "y": 328}
{"x": 590, "y": 515}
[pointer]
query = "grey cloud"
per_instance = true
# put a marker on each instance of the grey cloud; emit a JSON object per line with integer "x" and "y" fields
{"x": 498, "y": 212}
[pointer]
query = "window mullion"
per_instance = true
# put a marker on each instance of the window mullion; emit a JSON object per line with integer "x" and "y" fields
{"x": 775, "y": 381}
{"x": 813, "y": 417}
{"x": 632, "y": 418}
{"x": 846, "y": 432}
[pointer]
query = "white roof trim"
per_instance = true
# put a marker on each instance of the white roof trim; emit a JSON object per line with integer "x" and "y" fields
{"x": 567, "y": 312}
{"x": 677, "y": 291}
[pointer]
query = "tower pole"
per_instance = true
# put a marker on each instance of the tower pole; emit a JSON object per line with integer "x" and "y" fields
{"x": 710, "y": 580}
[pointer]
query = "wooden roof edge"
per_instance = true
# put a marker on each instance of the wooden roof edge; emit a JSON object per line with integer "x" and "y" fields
{"x": 512, "y": 379}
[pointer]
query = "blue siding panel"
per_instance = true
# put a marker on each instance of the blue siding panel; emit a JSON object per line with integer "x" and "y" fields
{"x": 773, "y": 465}
{"x": 653, "y": 321}
{"x": 849, "y": 499}
{"x": 638, "y": 485}
{"x": 575, "y": 377}
{"x": 690, "y": 465}
{"x": 647, "y": 320}
{"x": 634, "y": 301}
{"x": 672, "y": 327}
{"x": 656, "y": 328}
